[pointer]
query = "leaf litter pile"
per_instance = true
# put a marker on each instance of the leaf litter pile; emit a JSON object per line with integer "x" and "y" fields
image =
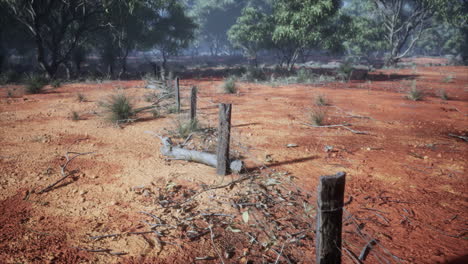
{"x": 257, "y": 217}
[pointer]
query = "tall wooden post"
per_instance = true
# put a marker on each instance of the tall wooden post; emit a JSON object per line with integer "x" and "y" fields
{"x": 193, "y": 104}
{"x": 329, "y": 218}
{"x": 224, "y": 136}
{"x": 177, "y": 94}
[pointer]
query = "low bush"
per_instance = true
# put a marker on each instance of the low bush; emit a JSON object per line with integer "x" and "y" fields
{"x": 443, "y": 95}
{"x": 185, "y": 127}
{"x": 415, "y": 94}
{"x": 321, "y": 100}
{"x": 35, "y": 84}
{"x": 229, "y": 85}
{"x": 119, "y": 107}
{"x": 80, "y": 97}
{"x": 317, "y": 116}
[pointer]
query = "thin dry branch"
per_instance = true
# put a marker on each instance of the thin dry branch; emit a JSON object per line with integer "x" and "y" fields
{"x": 62, "y": 170}
{"x": 345, "y": 126}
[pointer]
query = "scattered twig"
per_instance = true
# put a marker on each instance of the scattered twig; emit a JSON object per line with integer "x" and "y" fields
{"x": 213, "y": 243}
{"x": 460, "y": 137}
{"x": 352, "y": 256}
{"x": 367, "y": 248}
{"x": 62, "y": 170}
{"x": 345, "y": 126}
{"x": 96, "y": 238}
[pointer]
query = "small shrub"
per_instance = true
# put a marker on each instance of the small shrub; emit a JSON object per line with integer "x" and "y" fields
{"x": 151, "y": 97}
{"x": 80, "y": 97}
{"x": 75, "y": 116}
{"x": 254, "y": 75}
{"x": 303, "y": 76}
{"x": 185, "y": 128}
{"x": 415, "y": 94}
{"x": 443, "y": 95}
{"x": 172, "y": 109}
{"x": 345, "y": 71}
{"x": 230, "y": 86}
{"x": 448, "y": 79}
{"x": 56, "y": 83}
{"x": 119, "y": 108}
{"x": 155, "y": 113}
{"x": 317, "y": 116}
{"x": 9, "y": 77}
{"x": 35, "y": 84}
{"x": 321, "y": 100}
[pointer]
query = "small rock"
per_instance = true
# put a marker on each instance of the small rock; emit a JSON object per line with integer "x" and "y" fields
{"x": 426, "y": 157}
{"x": 291, "y": 145}
{"x": 328, "y": 148}
{"x": 146, "y": 193}
{"x": 83, "y": 192}
{"x": 368, "y": 149}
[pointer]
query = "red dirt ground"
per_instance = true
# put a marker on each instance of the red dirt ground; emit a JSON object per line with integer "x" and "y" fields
{"x": 407, "y": 178}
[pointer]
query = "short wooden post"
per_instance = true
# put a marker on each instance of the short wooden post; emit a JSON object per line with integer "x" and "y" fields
{"x": 193, "y": 104}
{"x": 177, "y": 94}
{"x": 329, "y": 218}
{"x": 224, "y": 136}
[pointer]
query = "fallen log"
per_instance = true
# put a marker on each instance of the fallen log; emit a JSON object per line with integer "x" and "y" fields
{"x": 178, "y": 153}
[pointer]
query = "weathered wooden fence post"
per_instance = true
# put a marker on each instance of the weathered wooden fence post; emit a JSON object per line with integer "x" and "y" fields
{"x": 177, "y": 94}
{"x": 193, "y": 104}
{"x": 329, "y": 218}
{"x": 224, "y": 136}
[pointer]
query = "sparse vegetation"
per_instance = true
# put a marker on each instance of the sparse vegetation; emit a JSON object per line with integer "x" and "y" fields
{"x": 75, "y": 116}
{"x": 56, "y": 83}
{"x": 185, "y": 127}
{"x": 155, "y": 113}
{"x": 443, "y": 95}
{"x": 80, "y": 97}
{"x": 119, "y": 108}
{"x": 414, "y": 93}
{"x": 9, "y": 93}
{"x": 448, "y": 79}
{"x": 254, "y": 75}
{"x": 317, "y": 116}
{"x": 229, "y": 85}
{"x": 345, "y": 71}
{"x": 35, "y": 84}
{"x": 8, "y": 77}
{"x": 321, "y": 100}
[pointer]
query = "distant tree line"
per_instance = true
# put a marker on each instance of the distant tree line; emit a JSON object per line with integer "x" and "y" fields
{"x": 62, "y": 34}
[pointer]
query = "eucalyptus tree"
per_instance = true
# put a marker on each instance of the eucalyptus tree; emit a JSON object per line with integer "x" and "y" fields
{"x": 57, "y": 26}
{"x": 405, "y": 21}
{"x": 251, "y": 33}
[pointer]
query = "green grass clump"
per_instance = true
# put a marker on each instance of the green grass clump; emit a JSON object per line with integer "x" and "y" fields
{"x": 35, "y": 84}
{"x": 185, "y": 128}
{"x": 345, "y": 71}
{"x": 229, "y": 85}
{"x": 321, "y": 100}
{"x": 415, "y": 94}
{"x": 317, "y": 116}
{"x": 119, "y": 107}
{"x": 443, "y": 95}
{"x": 448, "y": 79}
{"x": 56, "y": 83}
{"x": 75, "y": 116}
{"x": 81, "y": 97}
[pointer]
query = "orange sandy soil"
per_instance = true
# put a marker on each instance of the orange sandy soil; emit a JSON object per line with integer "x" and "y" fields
{"x": 407, "y": 169}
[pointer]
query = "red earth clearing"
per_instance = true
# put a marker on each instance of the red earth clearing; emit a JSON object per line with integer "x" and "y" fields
{"x": 406, "y": 178}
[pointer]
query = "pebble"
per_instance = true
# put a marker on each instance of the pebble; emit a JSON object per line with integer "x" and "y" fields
{"x": 83, "y": 192}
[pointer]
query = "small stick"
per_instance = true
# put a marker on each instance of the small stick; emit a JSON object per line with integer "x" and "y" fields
{"x": 460, "y": 137}
{"x": 280, "y": 253}
{"x": 352, "y": 256}
{"x": 365, "y": 251}
{"x": 345, "y": 126}
{"x": 214, "y": 246}
{"x": 103, "y": 236}
{"x": 62, "y": 170}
